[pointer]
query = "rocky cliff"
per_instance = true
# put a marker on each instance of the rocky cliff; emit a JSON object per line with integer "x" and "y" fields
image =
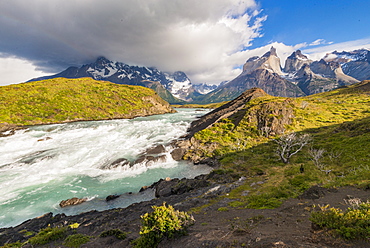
{"x": 269, "y": 61}
{"x": 296, "y": 61}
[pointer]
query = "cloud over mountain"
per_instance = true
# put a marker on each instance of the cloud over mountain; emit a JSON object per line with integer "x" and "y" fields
{"x": 198, "y": 37}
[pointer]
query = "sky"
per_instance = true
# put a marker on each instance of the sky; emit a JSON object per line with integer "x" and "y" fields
{"x": 209, "y": 40}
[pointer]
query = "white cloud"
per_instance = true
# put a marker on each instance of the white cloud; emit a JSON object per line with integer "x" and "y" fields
{"x": 320, "y": 42}
{"x": 318, "y": 53}
{"x": 13, "y": 70}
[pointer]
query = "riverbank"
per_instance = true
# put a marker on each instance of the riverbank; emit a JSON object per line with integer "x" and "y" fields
{"x": 216, "y": 223}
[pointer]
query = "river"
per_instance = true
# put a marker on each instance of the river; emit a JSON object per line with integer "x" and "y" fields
{"x": 43, "y": 165}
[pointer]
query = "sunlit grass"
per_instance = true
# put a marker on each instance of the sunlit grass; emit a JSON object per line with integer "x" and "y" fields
{"x": 338, "y": 122}
{"x": 61, "y": 99}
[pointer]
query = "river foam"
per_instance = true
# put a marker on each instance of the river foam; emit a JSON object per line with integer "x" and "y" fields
{"x": 43, "y": 165}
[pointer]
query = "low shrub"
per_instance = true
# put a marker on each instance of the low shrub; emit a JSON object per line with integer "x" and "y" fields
{"x": 163, "y": 222}
{"x": 353, "y": 223}
{"x": 13, "y": 245}
{"x": 76, "y": 240}
{"x": 223, "y": 209}
{"x": 47, "y": 235}
{"x": 119, "y": 234}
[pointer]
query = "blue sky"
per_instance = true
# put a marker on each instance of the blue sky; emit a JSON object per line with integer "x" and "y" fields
{"x": 209, "y": 40}
{"x": 294, "y": 22}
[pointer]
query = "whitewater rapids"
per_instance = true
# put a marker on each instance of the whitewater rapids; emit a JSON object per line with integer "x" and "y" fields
{"x": 43, "y": 165}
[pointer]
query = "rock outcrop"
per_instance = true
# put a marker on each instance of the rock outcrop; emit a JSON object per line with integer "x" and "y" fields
{"x": 224, "y": 111}
{"x": 270, "y": 118}
{"x": 72, "y": 202}
{"x": 296, "y": 61}
{"x": 269, "y": 61}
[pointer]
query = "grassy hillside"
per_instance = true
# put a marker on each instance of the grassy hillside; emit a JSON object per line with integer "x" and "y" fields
{"x": 62, "y": 100}
{"x": 338, "y": 123}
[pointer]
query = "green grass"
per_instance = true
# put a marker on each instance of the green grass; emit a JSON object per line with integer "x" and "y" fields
{"x": 338, "y": 122}
{"x": 60, "y": 100}
{"x": 76, "y": 240}
{"x": 48, "y": 235}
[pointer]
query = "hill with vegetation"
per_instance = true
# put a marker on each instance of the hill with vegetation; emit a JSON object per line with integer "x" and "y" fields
{"x": 248, "y": 143}
{"x": 65, "y": 100}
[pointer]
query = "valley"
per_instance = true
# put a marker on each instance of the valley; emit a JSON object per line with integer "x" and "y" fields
{"x": 248, "y": 179}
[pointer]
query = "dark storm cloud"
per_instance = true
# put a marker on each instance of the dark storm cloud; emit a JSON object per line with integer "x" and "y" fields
{"x": 199, "y": 37}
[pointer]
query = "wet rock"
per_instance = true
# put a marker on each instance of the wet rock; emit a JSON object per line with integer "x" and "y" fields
{"x": 212, "y": 162}
{"x": 8, "y": 129}
{"x": 140, "y": 159}
{"x": 153, "y": 159}
{"x": 71, "y": 202}
{"x": 144, "y": 188}
{"x": 164, "y": 188}
{"x": 117, "y": 163}
{"x": 150, "y": 160}
{"x": 178, "y": 153}
{"x": 111, "y": 197}
{"x": 156, "y": 150}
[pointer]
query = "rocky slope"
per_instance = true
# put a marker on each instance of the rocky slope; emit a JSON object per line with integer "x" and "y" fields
{"x": 224, "y": 111}
{"x": 354, "y": 63}
{"x": 65, "y": 100}
{"x": 170, "y": 86}
{"x": 296, "y": 61}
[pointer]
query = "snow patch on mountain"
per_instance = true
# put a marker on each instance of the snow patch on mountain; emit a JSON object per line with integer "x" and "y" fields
{"x": 205, "y": 88}
{"x": 345, "y": 57}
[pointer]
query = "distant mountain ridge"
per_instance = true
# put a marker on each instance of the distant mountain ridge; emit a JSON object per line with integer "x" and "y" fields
{"x": 300, "y": 75}
{"x": 173, "y": 87}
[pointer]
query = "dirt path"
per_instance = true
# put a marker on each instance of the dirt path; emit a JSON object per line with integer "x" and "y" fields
{"x": 286, "y": 226}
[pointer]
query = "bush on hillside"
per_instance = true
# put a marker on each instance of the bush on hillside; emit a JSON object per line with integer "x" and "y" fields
{"x": 163, "y": 222}
{"x": 353, "y": 223}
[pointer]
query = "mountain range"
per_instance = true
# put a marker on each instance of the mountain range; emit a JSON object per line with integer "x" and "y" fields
{"x": 172, "y": 87}
{"x": 300, "y": 76}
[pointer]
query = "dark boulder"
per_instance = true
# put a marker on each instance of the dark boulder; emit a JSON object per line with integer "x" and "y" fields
{"x": 116, "y": 163}
{"x": 164, "y": 188}
{"x": 111, "y": 197}
{"x": 156, "y": 150}
{"x": 178, "y": 153}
